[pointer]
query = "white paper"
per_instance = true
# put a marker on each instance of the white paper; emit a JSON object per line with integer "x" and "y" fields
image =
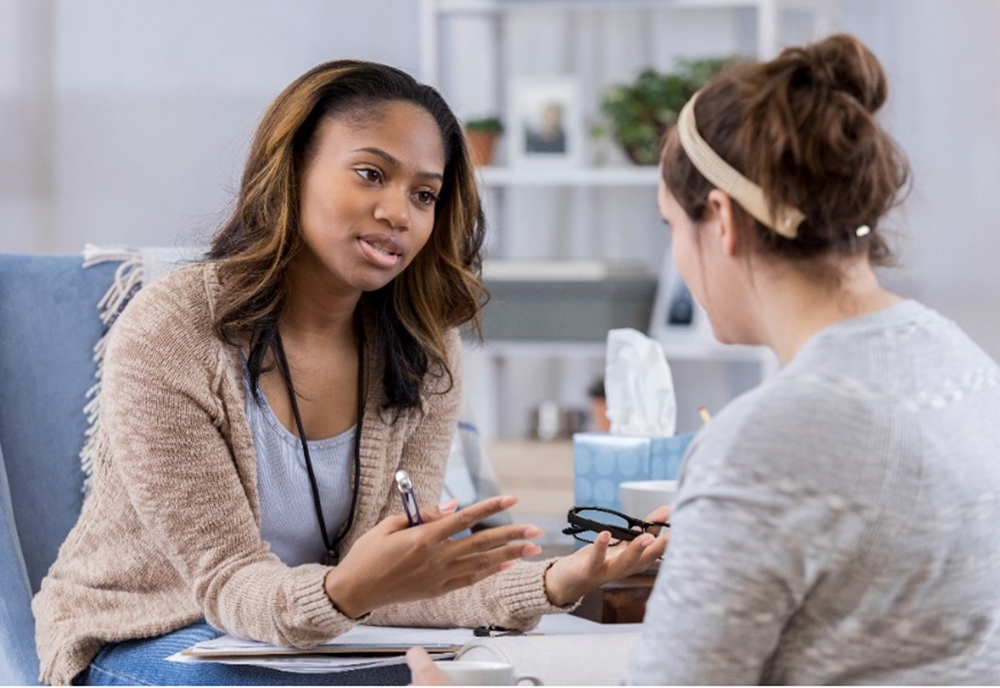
{"x": 359, "y": 638}
{"x": 308, "y": 664}
{"x": 639, "y": 386}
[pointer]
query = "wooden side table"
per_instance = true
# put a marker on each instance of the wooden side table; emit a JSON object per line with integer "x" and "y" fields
{"x": 616, "y": 602}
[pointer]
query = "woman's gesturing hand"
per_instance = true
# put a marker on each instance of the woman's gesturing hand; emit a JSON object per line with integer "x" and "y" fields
{"x": 572, "y": 577}
{"x": 395, "y": 563}
{"x": 423, "y": 670}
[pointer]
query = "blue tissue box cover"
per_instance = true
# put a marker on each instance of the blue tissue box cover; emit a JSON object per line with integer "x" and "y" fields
{"x": 602, "y": 461}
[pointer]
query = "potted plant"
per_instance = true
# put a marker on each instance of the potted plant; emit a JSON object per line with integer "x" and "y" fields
{"x": 598, "y": 406}
{"x": 482, "y": 135}
{"x": 641, "y": 111}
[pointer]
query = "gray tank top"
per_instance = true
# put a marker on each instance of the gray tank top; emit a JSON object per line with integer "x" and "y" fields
{"x": 287, "y": 515}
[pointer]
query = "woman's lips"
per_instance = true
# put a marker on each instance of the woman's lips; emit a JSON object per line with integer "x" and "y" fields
{"x": 382, "y": 250}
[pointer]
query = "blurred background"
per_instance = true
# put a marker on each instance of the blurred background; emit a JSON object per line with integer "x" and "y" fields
{"x": 125, "y": 122}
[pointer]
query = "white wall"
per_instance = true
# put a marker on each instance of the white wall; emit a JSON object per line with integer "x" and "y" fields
{"x": 127, "y": 121}
{"x": 943, "y": 62}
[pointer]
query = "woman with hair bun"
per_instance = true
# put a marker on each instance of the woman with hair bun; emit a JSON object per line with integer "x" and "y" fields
{"x": 838, "y": 524}
{"x": 257, "y": 406}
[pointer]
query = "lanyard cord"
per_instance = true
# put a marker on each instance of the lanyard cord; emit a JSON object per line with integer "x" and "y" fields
{"x": 331, "y": 557}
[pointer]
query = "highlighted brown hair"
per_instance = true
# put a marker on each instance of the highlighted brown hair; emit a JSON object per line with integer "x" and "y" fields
{"x": 803, "y": 127}
{"x": 440, "y": 289}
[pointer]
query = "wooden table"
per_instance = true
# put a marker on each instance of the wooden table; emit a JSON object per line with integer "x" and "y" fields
{"x": 622, "y": 601}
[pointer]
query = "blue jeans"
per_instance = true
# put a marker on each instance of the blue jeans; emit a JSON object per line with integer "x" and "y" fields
{"x": 143, "y": 663}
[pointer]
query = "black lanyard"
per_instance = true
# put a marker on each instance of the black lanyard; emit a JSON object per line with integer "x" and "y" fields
{"x": 331, "y": 557}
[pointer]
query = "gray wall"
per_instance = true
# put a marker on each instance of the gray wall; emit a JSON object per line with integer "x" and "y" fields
{"x": 127, "y": 121}
{"x": 943, "y": 61}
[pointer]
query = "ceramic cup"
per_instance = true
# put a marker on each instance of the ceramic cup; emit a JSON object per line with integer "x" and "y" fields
{"x": 640, "y": 497}
{"x": 464, "y": 673}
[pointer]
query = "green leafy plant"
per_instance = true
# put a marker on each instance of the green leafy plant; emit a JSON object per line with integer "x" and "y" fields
{"x": 641, "y": 111}
{"x": 491, "y": 125}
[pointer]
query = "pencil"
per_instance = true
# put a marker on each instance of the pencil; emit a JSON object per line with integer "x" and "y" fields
{"x": 705, "y": 417}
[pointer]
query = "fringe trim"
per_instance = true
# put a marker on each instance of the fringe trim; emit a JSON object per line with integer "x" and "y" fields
{"x": 128, "y": 280}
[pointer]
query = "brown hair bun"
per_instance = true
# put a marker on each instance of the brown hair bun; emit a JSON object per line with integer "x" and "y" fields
{"x": 802, "y": 126}
{"x": 843, "y": 63}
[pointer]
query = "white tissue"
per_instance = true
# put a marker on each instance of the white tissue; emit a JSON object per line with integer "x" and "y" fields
{"x": 638, "y": 386}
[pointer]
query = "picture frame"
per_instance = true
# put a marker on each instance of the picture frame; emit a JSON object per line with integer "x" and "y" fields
{"x": 546, "y": 121}
{"x": 677, "y": 317}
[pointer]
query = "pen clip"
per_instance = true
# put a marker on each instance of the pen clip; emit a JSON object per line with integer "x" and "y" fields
{"x": 409, "y": 498}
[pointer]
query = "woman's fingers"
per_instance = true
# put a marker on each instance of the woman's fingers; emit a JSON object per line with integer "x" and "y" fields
{"x": 423, "y": 669}
{"x": 637, "y": 556}
{"x": 391, "y": 524}
{"x": 494, "y": 537}
{"x": 652, "y": 553}
{"x": 658, "y": 547}
{"x": 448, "y": 526}
{"x": 660, "y": 514}
{"x": 436, "y": 513}
{"x": 600, "y": 550}
{"x": 494, "y": 557}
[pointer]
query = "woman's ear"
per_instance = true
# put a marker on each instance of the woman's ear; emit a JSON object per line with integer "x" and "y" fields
{"x": 727, "y": 228}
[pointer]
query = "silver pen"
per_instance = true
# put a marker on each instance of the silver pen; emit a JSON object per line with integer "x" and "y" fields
{"x": 406, "y": 493}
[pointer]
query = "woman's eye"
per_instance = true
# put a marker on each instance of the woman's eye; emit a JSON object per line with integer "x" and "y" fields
{"x": 369, "y": 174}
{"x": 427, "y": 197}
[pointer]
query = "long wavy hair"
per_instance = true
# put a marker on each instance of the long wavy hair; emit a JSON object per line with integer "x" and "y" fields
{"x": 440, "y": 289}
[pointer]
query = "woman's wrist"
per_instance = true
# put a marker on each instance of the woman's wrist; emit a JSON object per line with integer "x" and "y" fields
{"x": 343, "y": 595}
{"x": 557, "y": 590}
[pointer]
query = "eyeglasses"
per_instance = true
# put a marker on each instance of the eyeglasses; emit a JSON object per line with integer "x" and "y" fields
{"x": 585, "y": 522}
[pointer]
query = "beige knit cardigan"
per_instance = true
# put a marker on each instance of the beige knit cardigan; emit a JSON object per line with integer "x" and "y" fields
{"x": 170, "y": 532}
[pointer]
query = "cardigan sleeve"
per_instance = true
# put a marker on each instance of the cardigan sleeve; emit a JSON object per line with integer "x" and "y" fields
{"x": 514, "y": 598}
{"x": 168, "y": 439}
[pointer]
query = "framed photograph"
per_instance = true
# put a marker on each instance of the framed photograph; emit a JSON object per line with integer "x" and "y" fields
{"x": 546, "y": 121}
{"x": 677, "y": 317}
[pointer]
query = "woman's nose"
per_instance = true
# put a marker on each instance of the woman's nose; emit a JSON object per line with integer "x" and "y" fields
{"x": 393, "y": 209}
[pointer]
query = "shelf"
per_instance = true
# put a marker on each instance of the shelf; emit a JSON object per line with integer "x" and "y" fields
{"x": 678, "y": 350}
{"x": 561, "y": 270}
{"x": 637, "y": 176}
{"x": 495, "y": 6}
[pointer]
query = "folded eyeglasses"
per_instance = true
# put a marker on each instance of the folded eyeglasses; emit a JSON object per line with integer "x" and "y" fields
{"x": 586, "y": 522}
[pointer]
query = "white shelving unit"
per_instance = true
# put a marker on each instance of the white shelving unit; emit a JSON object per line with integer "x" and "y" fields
{"x": 471, "y": 48}
{"x": 618, "y": 176}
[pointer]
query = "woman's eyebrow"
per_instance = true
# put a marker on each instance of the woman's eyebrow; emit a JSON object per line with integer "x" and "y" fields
{"x": 393, "y": 161}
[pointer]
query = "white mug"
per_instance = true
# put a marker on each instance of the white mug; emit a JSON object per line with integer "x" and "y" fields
{"x": 471, "y": 673}
{"x": 640, "y": 497}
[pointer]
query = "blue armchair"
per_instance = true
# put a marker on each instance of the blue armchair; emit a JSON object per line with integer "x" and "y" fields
{"x": 49, "y": 325}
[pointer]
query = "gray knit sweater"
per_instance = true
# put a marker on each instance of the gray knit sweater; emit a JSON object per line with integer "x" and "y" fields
{"x": 841, "y": 523}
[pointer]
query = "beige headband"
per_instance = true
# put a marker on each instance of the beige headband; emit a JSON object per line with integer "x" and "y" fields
{"x": 726, "y": 178}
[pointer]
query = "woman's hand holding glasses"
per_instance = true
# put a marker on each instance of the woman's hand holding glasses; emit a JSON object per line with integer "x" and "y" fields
{"x": 606, "y": 559}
